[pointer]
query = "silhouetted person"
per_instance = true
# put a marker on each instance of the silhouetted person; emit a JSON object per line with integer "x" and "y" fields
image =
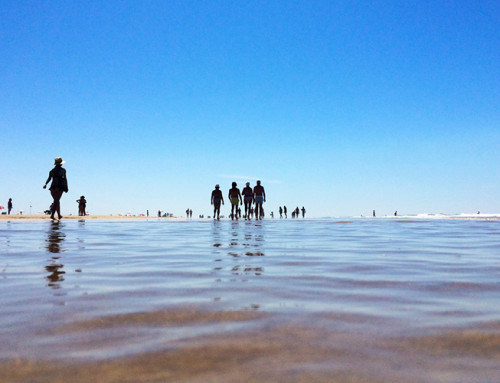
{"x": 297, "y": 212}
{"x": 190, "y": 213}
{"x": 284, "y": 211}
{"x": 281, "y": 212}
{"x": 58, "y": 187}
{"x": 235, "y": 197}
{"x": 82, "y": 205}
{"x": 396, "y": 213}
{"x": 374, "y": 213}
{"x": 247, "y": 194}
{"x": 303, "y": 212}
{"x": 259, "y": 196}
{"x": 159, "y": 213}
{"x": 216, "y": 200}
{"x": 9, "y": 206}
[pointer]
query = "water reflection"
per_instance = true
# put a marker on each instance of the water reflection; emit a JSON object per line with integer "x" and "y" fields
{"x": 235, "y": 246}
{"x": 55, "y": 246}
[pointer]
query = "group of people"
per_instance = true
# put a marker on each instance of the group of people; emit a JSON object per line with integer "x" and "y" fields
{"x": 248, "y": 196}
{"x": 295, "y": 212}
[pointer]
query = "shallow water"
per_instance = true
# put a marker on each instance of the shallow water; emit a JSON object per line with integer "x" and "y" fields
{"x": 365, "y": 300}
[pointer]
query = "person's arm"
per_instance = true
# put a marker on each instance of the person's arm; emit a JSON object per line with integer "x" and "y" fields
{"x": 264, "y": 194}
{"x": 212, "y": 199}
{"x": 241, "y": 199}
{"x": 48, "y": 180}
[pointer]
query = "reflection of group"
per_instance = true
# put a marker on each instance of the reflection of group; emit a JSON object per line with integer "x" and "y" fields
{"x": 256, "y": 196}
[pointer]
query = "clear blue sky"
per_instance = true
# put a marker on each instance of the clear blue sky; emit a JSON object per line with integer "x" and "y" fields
{"x": 339, "y": 106}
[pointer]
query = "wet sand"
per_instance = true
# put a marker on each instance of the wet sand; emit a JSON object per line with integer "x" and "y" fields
{"x": 298, "y": 349}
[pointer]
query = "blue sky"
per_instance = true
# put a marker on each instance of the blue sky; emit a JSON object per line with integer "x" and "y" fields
{"x": 339, "y": 106}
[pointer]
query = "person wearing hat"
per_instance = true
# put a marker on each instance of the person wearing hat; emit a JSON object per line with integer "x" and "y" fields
{"x": 58, "y": 186}
{"x": 247, "y": 194}
{"x": 216, "y": 200}
{"x": 82, "y": 205}
{"x": 235, "y": 197}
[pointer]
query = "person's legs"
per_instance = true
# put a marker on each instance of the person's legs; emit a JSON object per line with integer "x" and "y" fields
{"x": 56, "y": 195}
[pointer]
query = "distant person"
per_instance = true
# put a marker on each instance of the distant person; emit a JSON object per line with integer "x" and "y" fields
{"x": 190, "y": 213}
{"x": 247, "y": 194}
{"x": 396, "y": 213}
{"x": 82, "y": 205}
{"x": 259, "y": 196}
{"x": 297, "y": 212}
{"x": 374, "y": 213}
{"x": 281, "y": 212}
{"x": 272, "y": 214}
{"x": 187, "y": 213}
{"x": 216, "y": 200}
{"x": 9, "y": 206}
{"x": 58, "y": 187}
{"x": 235, "y": 197}
{"x": 159, "y": 213}
{"x": 303, "y": 212}
{"x": 284, "y": 211}
{"x": 293, "y": 213}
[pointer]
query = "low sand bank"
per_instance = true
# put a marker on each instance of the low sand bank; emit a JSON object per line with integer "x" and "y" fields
{"x": 11, "y": 217}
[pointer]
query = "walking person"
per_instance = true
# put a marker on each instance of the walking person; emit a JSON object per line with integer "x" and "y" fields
{"x": 9, "y": 206}
{"x": 58, "y": 186}
{"x": 247, "y": 194}
{"x": 216, "y": 200}
{"x": 303, "y": 212}
{"x": 284, "y": 211}
{"x": 235, "y": 197}
{"x": 259, "y": 196}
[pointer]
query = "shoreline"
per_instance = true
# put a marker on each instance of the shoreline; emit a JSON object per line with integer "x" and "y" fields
{"x": 419, "y": 217}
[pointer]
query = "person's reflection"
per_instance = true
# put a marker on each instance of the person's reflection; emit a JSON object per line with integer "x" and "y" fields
{"x": 55, "y": 247}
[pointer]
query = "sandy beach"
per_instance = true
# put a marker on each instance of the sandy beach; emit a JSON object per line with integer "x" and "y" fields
{"x": 30, "y": 217}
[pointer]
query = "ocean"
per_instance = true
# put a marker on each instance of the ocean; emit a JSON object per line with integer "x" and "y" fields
{"x": 297, "y": 300}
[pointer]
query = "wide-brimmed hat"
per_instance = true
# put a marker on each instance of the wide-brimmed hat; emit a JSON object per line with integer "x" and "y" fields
{"x": 59, "y": 161}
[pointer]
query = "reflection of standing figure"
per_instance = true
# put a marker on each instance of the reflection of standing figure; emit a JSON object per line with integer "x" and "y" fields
{"x": 58, "y": 187}
{"x": 259, "y": 197}
{"x": 9, "y": 206}
{"x": 216, "y": 200}
{"x": 54, "y": 246}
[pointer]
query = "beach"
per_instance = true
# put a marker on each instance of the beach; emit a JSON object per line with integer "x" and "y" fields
{"x": 333, "y": 300}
